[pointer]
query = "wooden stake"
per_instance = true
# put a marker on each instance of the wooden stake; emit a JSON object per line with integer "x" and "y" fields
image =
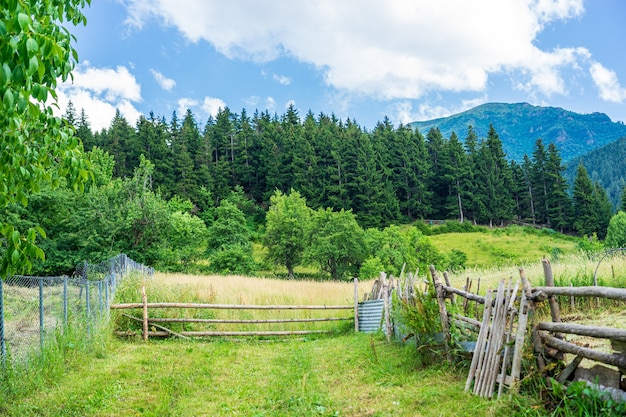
{"x": 443, "y": 314}
{"x": 144, "y": 300}
{"x": 356, "y": 305}
{"x": 482, "y": 336}
{"x": 554, "y": 305}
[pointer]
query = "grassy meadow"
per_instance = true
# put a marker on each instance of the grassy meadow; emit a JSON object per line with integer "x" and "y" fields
{"x": 343, "y": 374}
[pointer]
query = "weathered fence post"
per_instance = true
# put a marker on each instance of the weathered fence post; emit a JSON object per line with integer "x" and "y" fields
{"x": 356, "y": 305}
{"x": 383, "y": 278}
{"x": 144, "y": 300}
{"x": 443, "y": 314}
{"x": 554, "y": 305}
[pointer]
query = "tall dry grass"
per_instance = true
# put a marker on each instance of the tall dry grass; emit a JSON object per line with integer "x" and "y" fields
{"x": 236, "y": 289}
{"x": 242, "y": 290}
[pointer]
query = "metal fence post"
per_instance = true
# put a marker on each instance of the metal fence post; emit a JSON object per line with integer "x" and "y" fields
{"x": 41, "y": 321}
{"x": 100, "y": 297}
{"x": 2, "y": 341}
{"x": 88, "y": 308}
{"x": 107, "y": 283}
{"x": 65, "y": 301}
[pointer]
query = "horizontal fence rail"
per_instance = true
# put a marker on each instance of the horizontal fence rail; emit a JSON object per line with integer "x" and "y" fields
{"x": 229, "y": 306}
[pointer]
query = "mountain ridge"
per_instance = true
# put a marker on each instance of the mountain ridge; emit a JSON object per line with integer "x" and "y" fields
{"x": 519, "y": 125}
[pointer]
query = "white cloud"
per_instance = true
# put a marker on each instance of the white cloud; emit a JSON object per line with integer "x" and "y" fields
{"x": 387, "y": 49}
{"x": 100, "y": 91}
{"x": 281, "y": 79}
{"x": 165, "y": 83}
{"x": 184, "y": 104}
{"x": 258, "y": 103}
{"x": 608, "y": 84}
{"x": 403, "y": 112}
{"x": 211, "y": 105}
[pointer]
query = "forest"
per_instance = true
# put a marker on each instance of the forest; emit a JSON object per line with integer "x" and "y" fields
{"x": 171, "y": 194}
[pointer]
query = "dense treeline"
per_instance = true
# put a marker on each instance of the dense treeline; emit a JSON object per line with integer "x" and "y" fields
{"x": 389, "y": 175}
{"x": 315, "y": 192}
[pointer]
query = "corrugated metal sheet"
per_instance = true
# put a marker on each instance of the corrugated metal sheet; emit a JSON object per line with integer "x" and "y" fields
{"x": 370, "y": 315}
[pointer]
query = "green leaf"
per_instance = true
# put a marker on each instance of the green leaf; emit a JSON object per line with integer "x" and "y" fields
{"x": 23, "y": 20}
{"x": 33, "y": 65}
{"x": 15, "y": 257}
{"x": 31, "y": 46}
{"x": 8, "y": 99}
{"x": 5, "y": 74}
{"x": 15, "y": 238}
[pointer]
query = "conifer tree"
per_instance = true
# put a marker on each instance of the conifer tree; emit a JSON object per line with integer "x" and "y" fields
{"x": 585, "y": 219}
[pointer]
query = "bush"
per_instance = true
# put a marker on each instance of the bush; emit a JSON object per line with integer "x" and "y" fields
{"x": 371, "y": 268}
{"x": 235, "y": 259}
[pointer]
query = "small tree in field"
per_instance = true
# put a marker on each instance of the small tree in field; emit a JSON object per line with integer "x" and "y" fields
{"x": 336, "y": 242}
{"x": 616, "y": 232}
{"x": 285, "y": 229}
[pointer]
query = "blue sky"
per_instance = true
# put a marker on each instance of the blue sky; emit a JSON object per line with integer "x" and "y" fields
{"x": 363, "y": 59}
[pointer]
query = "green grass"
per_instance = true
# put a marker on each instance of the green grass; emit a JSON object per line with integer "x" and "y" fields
{"x": 509, "y": 246}
{"x": 350, "y": 375}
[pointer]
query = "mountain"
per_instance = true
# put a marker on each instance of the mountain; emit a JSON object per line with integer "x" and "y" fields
{"x": 607, "y": 165}
{"x": 519, "y": 126}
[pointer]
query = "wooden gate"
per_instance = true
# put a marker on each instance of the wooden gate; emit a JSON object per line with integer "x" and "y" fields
{"x": 157, "y": 326}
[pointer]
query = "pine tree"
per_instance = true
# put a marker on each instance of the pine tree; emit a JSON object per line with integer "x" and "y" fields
{"x": 585, "y": 219}
{"x": 456, "y": 171}
{"x": 558, "y": 200}
{"x": 603, "y": 210}
{"x": 435, "y": 144}
{"x": 539, "y": 178}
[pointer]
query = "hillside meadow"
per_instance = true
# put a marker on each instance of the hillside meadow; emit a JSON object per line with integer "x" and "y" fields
{"x": 341, "y": 374}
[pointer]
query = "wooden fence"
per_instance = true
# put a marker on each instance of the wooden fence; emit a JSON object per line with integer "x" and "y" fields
{"x": 163, "y": 331}
{"x": 502, "y": 333}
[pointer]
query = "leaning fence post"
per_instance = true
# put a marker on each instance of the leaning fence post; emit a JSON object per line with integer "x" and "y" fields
{"x": 41, "y": 322}
{"x": 2, "y": 341}
{"x": 383, "y": 278}
{"x": 549, "y": 277}
{"x": 356, "y": 305}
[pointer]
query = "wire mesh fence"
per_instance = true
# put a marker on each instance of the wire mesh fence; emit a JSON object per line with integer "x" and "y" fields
{"x": 32, "y": 309}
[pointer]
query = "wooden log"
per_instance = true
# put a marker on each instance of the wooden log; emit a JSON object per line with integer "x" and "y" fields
{"x": 471, "y": 321}
{"x": 555, "y": 311}
{"x": 443, "y": 314}
{"x": 446, "y": 278}
{"x": 480, "y": 342}
{"x": 467, "y": 289}
{"x": 522, "y": 325}
{"x": 242, "y": 321}
{"x": 583, "y": 330}
{"x": 495, "y": 342}
{"x": 256, "y": 333}
{"x": 464, "y": 294}
{"x": 507, "y": 348}
{"x": 569, "y": 370}
{"x": 228, "y": 334}
{"x": 602, "y": 292}
{"x": 144, "y": 299}
{"x": 229, "y": 306}
{"x": 476, "y": 303}
{"x": 356, "y": 304}
{"x": 614, "y": 359}
{"x": 157, "y": 326}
